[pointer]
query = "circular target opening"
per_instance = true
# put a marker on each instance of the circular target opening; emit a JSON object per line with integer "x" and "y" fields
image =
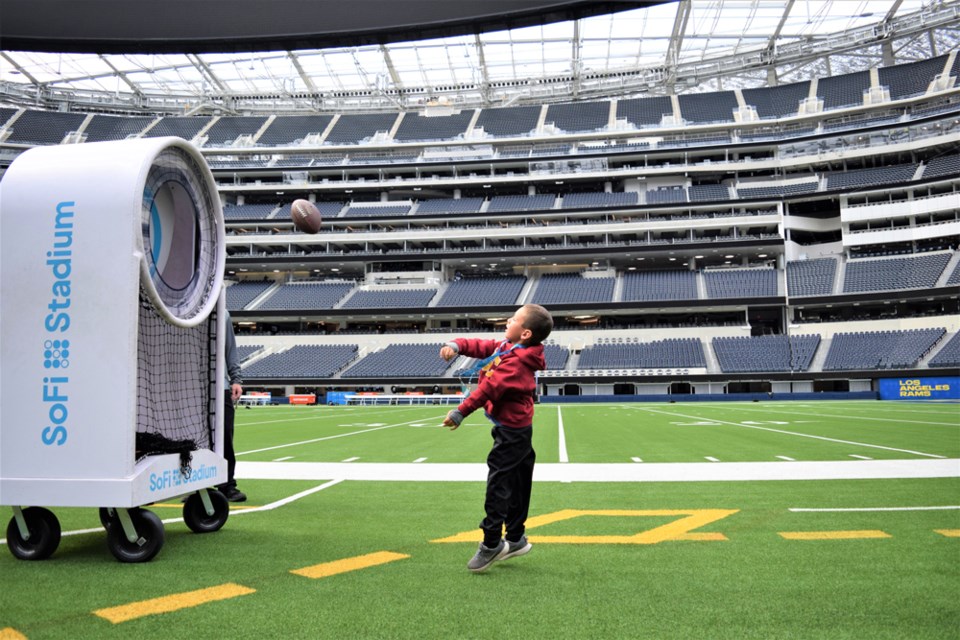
{"x": 181, "y": 246}
{"x": 172, "y": 238}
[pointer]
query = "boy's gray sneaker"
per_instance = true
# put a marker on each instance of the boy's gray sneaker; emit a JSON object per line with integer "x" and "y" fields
{"x": 486, "y": 556}
{"x": 518, "y": 548}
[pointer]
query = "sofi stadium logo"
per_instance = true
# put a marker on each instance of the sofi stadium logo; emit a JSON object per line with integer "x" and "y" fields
{"x": 56, "y": 344}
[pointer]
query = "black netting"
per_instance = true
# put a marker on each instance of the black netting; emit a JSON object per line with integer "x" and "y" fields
{"x": 176, "y": 385}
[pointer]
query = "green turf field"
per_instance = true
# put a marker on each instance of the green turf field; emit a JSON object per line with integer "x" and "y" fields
{"x": 693, "y": 559}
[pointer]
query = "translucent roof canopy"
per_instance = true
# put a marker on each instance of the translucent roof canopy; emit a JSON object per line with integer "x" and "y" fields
{"x": 691, "y": 45}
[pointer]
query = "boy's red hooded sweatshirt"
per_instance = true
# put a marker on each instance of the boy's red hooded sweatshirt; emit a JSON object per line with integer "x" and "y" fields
{"x": 506, "y": 388}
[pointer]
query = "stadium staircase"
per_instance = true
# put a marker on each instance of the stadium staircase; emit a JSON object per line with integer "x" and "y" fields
{"x": 948, "y": 270}
{"x": 924, "y": 362}
{"x": 526, "y": 293}
{"x": 820, "y": 357}
{"x": 344, "y": 299}
{"x": 618, "y": 288}
{"x": 442, "y": 290}
{"x": 710, "y": 357}
{"x": 841, "y": 275}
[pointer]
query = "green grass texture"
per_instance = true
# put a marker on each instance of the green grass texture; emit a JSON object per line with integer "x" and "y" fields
{"x": 733, "y": 576}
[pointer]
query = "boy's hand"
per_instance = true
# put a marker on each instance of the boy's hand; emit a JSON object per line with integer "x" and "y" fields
{"x": 453, "y": 420}
{"x": 447, "y": 353}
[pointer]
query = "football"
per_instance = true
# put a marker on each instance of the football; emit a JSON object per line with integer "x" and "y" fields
{"x": 306, "y": 217}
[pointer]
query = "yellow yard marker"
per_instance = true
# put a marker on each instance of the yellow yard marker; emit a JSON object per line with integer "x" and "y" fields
{"x": 174, "y": 602}
{"x": 11, "y": 634}
{"x": 834, "y": 535}
{"x": 680, "y": 529}
{"x": 327, "y": 569}
{"x": 950, "y": 533}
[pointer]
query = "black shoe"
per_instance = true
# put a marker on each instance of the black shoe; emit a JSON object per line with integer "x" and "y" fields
{"x": 233, "y": 494}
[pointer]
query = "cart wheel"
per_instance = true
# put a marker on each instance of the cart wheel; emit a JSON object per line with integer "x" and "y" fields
{"x": 109, "y": 517}
{"x": 44, "y": 535}
{"x": 149, "y": 528}
{"x": 195, "y": 515}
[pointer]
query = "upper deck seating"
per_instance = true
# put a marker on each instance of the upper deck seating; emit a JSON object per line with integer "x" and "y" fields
{"x": 777, "y": 102}
{"x": 378, "y": 210}
{"x": 895, "y": 174}
{"x": 395, "y": 299}
{"x": 948, "y": 165}
{"x": 910, "y": 79}
{"x": 415, "y": 127}
{"x": 240, "y": 294}
{"x": 573, "y": 288}
{"x": 450, "y": 205}
{"x": 306, "y": 296}
{"x": 716, "y": 106}
{"x": 228, "y": 128}
{"x": 355, "y": 127}
{"x": 811, "y": 277}
{"x": 598, "y": 200}
{"x": 579, "y": 116}
{"x": 741, "y": 283}
{"x": 883, "y": 274}
{"x": 538, "y": 202}
{"x": 844, "y": 90}
{"x": 248, "y": 211}
{"x": 642, "y": 286}
{"x": 486, "y": 291}
{"x": 644, "y": 112}
{"x": 708, "y": 192}
{"x": 102, "y": 127}
{"x": 44, "y": 127}
{"x": 185, "y": 127}
{"x": 287, "y": 130}
{"x": 508, "y": 121}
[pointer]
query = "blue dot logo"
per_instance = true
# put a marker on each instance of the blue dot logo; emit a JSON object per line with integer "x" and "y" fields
{"x": 56, "y": 354}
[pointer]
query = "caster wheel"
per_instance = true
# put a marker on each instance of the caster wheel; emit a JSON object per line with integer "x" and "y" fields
{"x": 196, "y": 516}
{"x": 150, "y": 530}
{"x": 44, "y": 535}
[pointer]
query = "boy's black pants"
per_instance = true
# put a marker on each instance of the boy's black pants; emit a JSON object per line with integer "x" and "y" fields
{"x": 509, "y": 480}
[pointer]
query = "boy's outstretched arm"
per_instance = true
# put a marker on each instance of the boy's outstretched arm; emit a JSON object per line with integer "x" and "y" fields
{"x": 453, "y": 419}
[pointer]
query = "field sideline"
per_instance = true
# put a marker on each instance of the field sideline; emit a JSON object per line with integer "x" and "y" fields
{"x": 660, "y": 521}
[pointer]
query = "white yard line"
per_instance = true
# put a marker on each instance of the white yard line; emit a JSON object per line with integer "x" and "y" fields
{"x": 284, "y": 458}
{"x": 800, "y": 435}
{"x": 351, "y": 459}
{"x": 786, "y": 458}
{"x": 858, "y": 417}
{"x": 339, "y": 435}
{"x": 859, "y": 509}
{"x": 418, "y": 460}
{"x": 563, "y": 438}
{"x": 607, "y": 472}
{"x": 853, "y": 455}
{"x": 637, "y": 459}
{"x": 711, "y": 459}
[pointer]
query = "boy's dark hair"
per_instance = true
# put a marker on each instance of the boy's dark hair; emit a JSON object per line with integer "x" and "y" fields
{"x": 539, "y": 322}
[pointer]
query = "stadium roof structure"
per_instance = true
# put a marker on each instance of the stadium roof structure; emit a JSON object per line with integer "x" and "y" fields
{"x": 207, "y": 56}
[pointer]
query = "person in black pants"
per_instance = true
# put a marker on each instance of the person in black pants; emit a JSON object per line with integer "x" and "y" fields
{"x": 233, "y": 390}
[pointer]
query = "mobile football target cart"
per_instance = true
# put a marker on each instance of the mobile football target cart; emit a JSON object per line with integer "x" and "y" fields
{"x": 111, "y": 375}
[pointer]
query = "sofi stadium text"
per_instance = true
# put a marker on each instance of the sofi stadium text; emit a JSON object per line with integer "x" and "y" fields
{"x": 173, "y": 477}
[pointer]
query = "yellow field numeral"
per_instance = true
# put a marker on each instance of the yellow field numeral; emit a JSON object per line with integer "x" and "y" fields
{"x": 680, "y": 529}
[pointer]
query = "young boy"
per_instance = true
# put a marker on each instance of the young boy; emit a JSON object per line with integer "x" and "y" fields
{"x": 506, "y": 389}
